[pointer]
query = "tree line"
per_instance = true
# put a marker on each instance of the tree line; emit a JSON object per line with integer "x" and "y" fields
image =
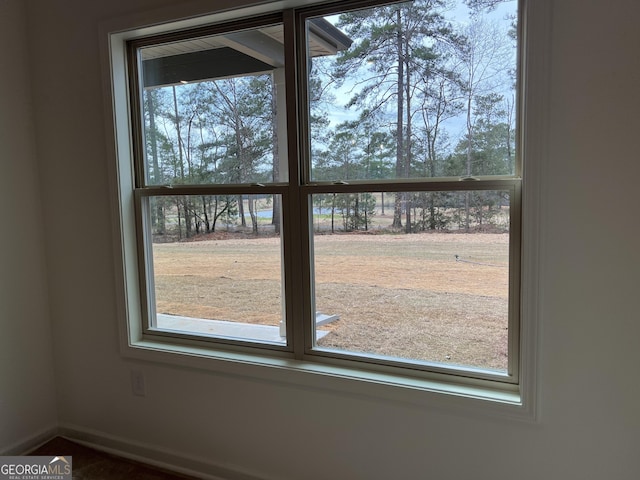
{"x": 425, "y": 96}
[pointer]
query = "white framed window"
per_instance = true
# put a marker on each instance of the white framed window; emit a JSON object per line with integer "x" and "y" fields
{"x": 333, "y": 187}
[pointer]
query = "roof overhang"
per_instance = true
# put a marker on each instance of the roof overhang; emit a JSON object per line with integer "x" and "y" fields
{"x": 245, "y": 52}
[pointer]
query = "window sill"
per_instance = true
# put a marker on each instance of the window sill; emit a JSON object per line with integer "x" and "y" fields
{"x": 445, "y": 396}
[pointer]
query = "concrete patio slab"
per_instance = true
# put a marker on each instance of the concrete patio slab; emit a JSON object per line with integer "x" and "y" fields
{"x": 222, "y": 328}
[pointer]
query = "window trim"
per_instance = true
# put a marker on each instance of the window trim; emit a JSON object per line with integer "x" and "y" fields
{"x": 518, "y": 401}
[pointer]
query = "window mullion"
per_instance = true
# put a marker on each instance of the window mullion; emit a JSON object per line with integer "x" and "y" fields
{"x": 295, "y": 250}
{"x": 307, "y": 316}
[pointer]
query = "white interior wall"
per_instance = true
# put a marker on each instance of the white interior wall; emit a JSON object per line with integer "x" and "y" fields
{"x": 589, "y": 421}
{"x": 27, "y": 388}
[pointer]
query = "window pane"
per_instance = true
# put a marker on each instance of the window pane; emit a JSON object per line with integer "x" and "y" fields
{"x": 217, "y": 266}
{"x": 417, "y": 89}
{"x": 437, "y": 294}
{"x": 213, "y": 109}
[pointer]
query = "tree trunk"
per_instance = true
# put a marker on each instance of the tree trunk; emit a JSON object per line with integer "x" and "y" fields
{"x": 333, "y": 213}
{"x": 179, "y": 220}
{"x": 207, "y": 224}
{"x": 397, "y": 211}
{"x": 157, "y": 213}
{"x": 467, "y": 197}
{"x": 408, "y": 159}
{"x": 252, "y": 213}
{"x": 243, "y": 221}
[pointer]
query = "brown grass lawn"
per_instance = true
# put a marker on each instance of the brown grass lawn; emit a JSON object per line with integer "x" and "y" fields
{"x": 398, "y": 295}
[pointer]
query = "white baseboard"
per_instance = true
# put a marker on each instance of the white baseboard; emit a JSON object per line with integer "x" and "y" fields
{"x": 26, "y": 445}
{"x": 153, "y": 455}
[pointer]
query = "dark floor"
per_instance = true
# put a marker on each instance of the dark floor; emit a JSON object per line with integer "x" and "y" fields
{"x": 90, "y": 464}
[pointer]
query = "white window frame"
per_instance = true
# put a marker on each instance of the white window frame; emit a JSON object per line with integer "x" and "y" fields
{"x": 302, "y": 367}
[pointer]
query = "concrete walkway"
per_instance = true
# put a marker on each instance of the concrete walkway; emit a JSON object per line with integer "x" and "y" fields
{"x": 241, "y": 331}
